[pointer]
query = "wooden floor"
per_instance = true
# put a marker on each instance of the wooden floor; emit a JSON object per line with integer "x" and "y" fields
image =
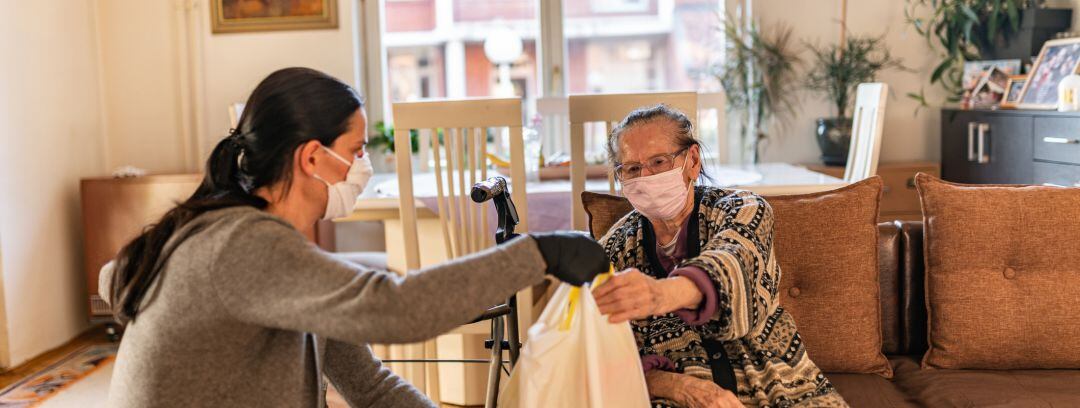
{"x": 95, "y": 335}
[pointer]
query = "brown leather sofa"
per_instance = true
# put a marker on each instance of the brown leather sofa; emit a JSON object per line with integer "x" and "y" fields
{"x": 904, "y": 322}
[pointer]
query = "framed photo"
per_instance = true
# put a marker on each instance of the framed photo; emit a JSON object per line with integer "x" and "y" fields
{"x": 1058, "y": 59}
{"x": 990, "y": 89}
{"x": 975, "y": 71}
{"x": 233, "y": 16}
{"x": 1012, "y": 91}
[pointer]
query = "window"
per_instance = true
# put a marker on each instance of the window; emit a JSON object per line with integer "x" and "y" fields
{"x": 436, "y": 49}
{"x": 641, "y": 45}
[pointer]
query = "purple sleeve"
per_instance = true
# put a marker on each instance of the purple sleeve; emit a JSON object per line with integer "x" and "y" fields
{"x": 656, "y": 362}
{"x": 697, "y": 317}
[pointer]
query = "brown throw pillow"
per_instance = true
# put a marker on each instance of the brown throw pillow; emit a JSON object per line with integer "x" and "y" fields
{"x": 827, "y": 246}
{"x": 1002, "y": 270}
{"x": 604, "y": 210}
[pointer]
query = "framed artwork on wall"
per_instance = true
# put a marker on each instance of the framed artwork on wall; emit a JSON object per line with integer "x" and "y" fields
{"x": 233, "y": 16}
{"x": 1058, "y": 59}
{"x": 1013, "y": 91}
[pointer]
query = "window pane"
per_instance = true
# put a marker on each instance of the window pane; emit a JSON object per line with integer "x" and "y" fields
{"x": 641, "y": 45}
{"x": 644, "y": 46}
{"x": 435, "y": 48}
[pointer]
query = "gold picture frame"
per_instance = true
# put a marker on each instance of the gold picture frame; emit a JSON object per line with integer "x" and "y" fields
{"x": 1013, "y": 89}
{"x": 1057, "y": 59}
{"x": 237, "y": 16}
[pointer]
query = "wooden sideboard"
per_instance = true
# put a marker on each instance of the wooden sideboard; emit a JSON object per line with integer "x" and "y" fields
{"x": 899, "y": 200}
{"x": 115, "y": 210}
{"x": 1010, "y": 147}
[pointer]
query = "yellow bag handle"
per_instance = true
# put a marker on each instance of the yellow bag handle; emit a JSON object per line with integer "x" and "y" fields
{"x": 575, "y": 294}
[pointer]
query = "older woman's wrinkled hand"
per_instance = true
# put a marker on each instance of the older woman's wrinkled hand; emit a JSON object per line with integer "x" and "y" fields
{"x": 631, "y": 295}
{"x": 694, "y": 392}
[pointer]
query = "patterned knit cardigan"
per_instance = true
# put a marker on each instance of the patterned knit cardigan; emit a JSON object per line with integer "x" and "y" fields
{"x": 769, "y": 361}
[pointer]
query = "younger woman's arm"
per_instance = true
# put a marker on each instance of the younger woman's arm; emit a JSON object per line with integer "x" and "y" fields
{"x": 268, "y": 274}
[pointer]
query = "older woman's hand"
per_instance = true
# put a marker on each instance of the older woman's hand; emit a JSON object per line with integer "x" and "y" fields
{"x": 689, "y": 391}
{"x": 694, "y": 392}
{"x": 631, "y": 294}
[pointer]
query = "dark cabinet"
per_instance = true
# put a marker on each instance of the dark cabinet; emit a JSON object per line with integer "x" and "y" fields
{"x": 1010, "y": 147}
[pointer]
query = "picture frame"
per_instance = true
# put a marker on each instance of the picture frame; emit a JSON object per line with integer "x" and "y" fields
{"x": 975, "y": 71}
{"x": 990, "y": 90}
{"x": 1057, "y": 59}
{"x": 236, "y": 16}
{"x": 1012, "y": 91}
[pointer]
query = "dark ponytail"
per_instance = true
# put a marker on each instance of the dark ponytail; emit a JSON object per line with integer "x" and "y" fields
{"x": 289, "y": 108}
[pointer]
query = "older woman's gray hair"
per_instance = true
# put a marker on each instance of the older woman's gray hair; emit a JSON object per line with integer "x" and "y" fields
{"x": 683, "y": 136}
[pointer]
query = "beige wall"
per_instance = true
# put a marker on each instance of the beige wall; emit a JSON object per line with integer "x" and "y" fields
{"x": 141, "y": 41}
{"x": 92, "y": 85}
{"x": 169, "y": 81}
{"x": 50, "y": 127}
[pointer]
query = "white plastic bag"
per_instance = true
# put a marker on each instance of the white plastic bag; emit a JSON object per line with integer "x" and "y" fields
{"x": 575, "y": 358}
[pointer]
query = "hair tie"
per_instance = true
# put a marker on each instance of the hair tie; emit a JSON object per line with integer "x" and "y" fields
{"x": 235, "y": 140}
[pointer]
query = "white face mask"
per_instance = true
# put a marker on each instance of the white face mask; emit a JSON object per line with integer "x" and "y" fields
{"x": 660, "y": 196}
{"x": 341, "y": 196}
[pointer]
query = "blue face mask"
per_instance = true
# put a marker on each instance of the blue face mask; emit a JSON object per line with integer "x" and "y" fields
{"x": 341, "y": 196}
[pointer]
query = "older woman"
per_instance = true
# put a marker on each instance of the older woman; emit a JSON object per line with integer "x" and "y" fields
{"x": 700, "y": 279}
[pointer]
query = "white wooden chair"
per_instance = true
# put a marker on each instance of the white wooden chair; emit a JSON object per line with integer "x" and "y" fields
{"x": 554, "y": 112}
{"x": 867, "y": 124}
{"x": 609, "y": 109}
{"x": 712, "y": 123}
{"x": 459, "y": 161}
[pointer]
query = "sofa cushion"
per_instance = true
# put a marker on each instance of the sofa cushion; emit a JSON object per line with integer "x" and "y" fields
{"x": 827, "y": 247}
{"x": 1002, "y": 266}
{"x": 868, "y": 391}
{"x": 604, "y": 210}
{"x": 986, "y": 388}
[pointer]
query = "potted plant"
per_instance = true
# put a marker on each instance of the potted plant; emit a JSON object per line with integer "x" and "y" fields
{"x": 970, "y": 30}
{"x": 837, "y": 70}
{"x": 759, "y": 76}
{"x": 381, "y": 147}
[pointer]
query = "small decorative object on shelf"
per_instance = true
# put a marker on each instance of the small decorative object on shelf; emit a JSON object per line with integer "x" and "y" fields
{"x": 990, "y": 89}
{"x": 1069, "y": 94}
{"x": 1058, "y": 59}
{"x": 976, "y": 71}
{"x": 1012, "y": 91}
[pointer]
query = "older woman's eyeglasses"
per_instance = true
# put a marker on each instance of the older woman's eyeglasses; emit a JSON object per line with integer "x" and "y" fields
{"x": 656, "y": 164}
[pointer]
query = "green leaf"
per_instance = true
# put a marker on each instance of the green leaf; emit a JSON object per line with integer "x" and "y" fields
{"x": 940, "y": 70}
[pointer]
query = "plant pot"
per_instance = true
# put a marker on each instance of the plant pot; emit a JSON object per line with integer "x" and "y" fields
{"x": 1037, "y": 25}
{"x": 834, "y": 139}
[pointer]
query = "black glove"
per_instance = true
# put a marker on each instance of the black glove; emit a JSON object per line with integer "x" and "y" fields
{"x": 572, "y": 257}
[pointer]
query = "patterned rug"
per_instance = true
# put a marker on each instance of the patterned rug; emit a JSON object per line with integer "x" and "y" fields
{"x": 38, "y": 387}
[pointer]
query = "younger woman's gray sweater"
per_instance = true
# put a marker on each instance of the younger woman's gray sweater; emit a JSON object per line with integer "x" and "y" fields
{"x": 248, "y": 313}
